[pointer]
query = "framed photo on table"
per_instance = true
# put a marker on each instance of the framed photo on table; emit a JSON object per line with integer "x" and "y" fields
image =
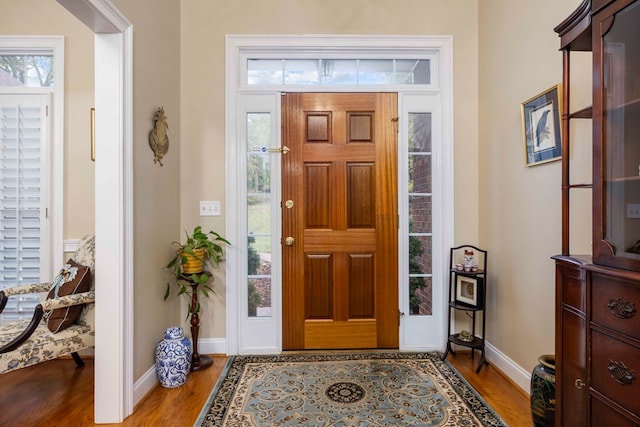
{"x": 541, "y": 127}
{"x": 469, "y": 291}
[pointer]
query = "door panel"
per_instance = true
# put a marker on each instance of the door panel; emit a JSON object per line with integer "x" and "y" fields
{"x": 340, "y": 270}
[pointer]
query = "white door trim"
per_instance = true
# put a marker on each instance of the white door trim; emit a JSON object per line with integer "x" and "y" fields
{"x": 113, "y": 389}
{"x": 291, "y": 46}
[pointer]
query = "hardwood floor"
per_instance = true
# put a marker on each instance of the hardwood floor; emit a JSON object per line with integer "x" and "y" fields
{"x": 55, "y": 393}
{"x": 506, "y": 398}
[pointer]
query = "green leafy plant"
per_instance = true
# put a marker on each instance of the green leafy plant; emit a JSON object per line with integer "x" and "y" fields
{"x": 206, "y": 247}
{"x": 254, "y": 299}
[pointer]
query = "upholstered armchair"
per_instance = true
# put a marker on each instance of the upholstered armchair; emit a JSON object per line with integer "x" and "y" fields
{"x": 62, "y": 324}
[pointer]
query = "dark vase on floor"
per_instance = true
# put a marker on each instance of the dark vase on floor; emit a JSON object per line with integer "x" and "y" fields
{"x": 543, "y": 391}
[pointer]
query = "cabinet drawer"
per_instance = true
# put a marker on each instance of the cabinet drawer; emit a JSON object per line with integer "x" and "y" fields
{"x": 571, "y": 280}
{"x": 614, "y": 304}
{"x": 603, "y": 415}
{"x": 599, "y": 4}
{"x": 614, "y": 367}
{"x": 573, "y": 288}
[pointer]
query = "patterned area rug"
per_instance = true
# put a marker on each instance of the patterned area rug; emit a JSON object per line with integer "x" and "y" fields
{"x": 354, "y": 389}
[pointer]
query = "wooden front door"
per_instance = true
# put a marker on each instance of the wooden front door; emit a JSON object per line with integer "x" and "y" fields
{"x": 340, "y": 221}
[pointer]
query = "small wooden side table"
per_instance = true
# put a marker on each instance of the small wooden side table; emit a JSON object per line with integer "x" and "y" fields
{"x": 198, "y": 361}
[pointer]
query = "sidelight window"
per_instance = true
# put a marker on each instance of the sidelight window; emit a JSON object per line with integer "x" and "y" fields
{"x": 259, "y": 200}
{"x": 419, "y": 159}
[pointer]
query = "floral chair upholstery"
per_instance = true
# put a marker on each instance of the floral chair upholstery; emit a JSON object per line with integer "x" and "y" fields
{"x": 28, "y": 342}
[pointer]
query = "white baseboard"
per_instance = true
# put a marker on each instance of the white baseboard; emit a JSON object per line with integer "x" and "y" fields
{"x": 144, "y": 385}
{"x": 409, "y": 348}
{"x": 70, "y": 245}
{"x": 212, "y": 346}
{"x": 515, "y": 372}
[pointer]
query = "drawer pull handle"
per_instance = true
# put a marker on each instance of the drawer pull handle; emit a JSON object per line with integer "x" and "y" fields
{"x": 621, "y": 308}
{"x": 621, "y": 373}
{"x": 579, "y": 384}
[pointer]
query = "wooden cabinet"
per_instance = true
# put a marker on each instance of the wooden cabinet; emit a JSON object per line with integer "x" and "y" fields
{"x": 597, "y": 299}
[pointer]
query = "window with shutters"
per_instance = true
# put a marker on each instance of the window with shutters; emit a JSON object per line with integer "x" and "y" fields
{"x": 31, "y": 164}
{"x": 24, "y": 130}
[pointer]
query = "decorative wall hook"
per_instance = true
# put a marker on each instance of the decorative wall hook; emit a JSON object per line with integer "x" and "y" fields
{"x": 158, "y": 139}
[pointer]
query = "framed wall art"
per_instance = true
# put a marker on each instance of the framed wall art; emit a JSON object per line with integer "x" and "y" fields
{"x": 469, "y": 291}
{"x": 541, "y": 127}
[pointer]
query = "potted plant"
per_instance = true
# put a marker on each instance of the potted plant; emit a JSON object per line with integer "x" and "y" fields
{"x": 189, "y": 262}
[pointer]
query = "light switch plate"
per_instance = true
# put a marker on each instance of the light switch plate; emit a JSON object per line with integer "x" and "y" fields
{"x": 633, "y": 210}
{"x": 210, "y": 208}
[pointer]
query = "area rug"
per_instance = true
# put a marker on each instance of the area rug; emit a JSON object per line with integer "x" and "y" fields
{"x": 344, "y": 389}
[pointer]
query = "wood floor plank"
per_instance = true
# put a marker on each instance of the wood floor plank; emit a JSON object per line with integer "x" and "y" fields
{"x": 56, "y": 393}
{"x": 506, "y": 398}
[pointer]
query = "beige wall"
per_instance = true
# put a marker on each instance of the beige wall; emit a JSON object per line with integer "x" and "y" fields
{"x": 204, "y": 26}
{"x": 156, "y": 189}
{"x": 520, "y": 210}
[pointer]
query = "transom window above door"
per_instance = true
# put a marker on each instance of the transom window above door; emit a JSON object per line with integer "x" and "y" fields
{"x": 331, "y": 71}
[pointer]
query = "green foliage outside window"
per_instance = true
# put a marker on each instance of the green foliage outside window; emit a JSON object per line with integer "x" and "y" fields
{"x": 31, "y": 71}
{"x": 415, "y": 283}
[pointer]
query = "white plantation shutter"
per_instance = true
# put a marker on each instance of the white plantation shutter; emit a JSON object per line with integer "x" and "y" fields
{"x": 24, "y": 127}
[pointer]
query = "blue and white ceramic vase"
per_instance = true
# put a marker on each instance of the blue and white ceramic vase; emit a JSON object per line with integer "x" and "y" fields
{"x": 173, "y": 358}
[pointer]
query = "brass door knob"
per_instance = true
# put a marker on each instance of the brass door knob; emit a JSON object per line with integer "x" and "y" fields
{"x": 289, "y": 241}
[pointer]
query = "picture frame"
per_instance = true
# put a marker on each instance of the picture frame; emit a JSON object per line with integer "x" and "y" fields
{"x": 541, "y": 127}
{"x": 469, "y": 291}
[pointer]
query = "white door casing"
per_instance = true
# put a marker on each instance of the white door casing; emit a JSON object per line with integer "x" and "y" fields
{"x": 263, "y": 335}
{"x": 113, "y": 389}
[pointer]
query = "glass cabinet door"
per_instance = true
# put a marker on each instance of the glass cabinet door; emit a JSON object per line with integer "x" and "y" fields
{"x": 617, "y": 108}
